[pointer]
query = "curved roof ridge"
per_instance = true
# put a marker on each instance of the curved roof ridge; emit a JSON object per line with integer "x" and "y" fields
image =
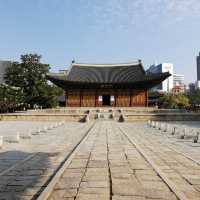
{"x": 136, "y": 62}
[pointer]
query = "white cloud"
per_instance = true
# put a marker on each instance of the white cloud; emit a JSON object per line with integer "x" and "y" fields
{"x": 125, "y": 13}
{"x": 106, "y": 15}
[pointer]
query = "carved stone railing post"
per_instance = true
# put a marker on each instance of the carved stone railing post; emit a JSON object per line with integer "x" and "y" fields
{"x": 174, "y": 129}
{"x": 122, "y": 118}
{"x": 87, "y": 118}
{"x": 196, "y": 138}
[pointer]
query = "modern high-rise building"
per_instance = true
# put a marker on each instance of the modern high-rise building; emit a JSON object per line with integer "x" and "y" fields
{"x": 191, "y": 88}
{"x": 179, "y": 86}
{"x": 198, "y": 71}
{"x": 3, "y": 66}
{"x": 198, "y": 67}
{"x": 168, "y": 84}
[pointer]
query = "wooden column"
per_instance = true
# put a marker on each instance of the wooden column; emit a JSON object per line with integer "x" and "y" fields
{"x": 115, "y": 95}
{"x": 147, "y": 99}
{"x": 66, "y": 96}
{"x": 130, "y": 104}
{"x": 96, "y": 99}
{"x": 81, "y": 98}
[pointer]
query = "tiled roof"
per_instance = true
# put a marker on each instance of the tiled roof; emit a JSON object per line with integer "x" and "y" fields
{"x": 127, "y": 73}
{"x": 105, "y": 73}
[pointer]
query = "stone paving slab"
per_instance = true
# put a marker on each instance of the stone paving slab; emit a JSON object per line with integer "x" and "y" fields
{"x": 176, "y": 166}
{"x": 108, "y": 165}
{"x": 49, "y": 150}
{"x": 110, "y": 171}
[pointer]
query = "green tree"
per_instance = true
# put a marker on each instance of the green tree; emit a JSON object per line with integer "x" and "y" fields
{"x": 167, "y": 101}
{"x": 195, "y": 98}
{"x": 11, "y": 98}
{"x": 174, "y": 101}
{"x": 30, "y": 77}
{"x": 182, "y": 101}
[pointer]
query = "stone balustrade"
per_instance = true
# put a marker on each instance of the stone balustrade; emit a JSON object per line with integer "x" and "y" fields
{"x": 12, "y": 137}
{"x": 181, "y": 131}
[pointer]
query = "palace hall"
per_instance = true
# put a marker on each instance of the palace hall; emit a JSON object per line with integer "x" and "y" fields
{"x": 115, "y": 85}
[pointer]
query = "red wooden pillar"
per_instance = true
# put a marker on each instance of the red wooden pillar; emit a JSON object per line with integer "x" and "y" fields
{"x": 66, "y": 96}
{"x": 96, "y": 99}
{"x": 116, "y": 98}
{"x": 130, "y": 94}
{"x": 80, "y": 95}
{"x": 147, "y": 98}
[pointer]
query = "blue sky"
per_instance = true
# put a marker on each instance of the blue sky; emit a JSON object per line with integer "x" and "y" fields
{"x": 103, "y": 31}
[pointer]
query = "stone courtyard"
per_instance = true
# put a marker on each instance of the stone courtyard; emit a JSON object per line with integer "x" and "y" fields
{"x": 101, "y": 159}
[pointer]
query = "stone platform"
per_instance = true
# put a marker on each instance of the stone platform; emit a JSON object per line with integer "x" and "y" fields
{"x": 80, "y": 114}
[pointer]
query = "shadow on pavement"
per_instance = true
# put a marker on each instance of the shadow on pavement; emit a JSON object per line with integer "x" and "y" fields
{"x": 26, "y": 179}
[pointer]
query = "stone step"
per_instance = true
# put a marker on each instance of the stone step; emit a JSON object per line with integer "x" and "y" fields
{"x": 12, "y": 138}
{"x": 36, "y": 132}
{"x": 25, "y": 135}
